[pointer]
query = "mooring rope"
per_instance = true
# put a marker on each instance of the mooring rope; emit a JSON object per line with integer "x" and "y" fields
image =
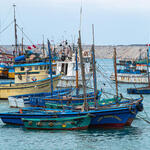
{"x": 140, "y": 117}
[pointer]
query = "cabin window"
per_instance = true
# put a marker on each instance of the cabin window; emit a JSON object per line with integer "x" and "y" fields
{"x": 64, "y": 68}
{"x": 36, "y": 67}
{"x": 29, "y": 68}
{"x": 41, "y": 67}
{"x": 45, "y": 67}
{"x": 22, "y": 69}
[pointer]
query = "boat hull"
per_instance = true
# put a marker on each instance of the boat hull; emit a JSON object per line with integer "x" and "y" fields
{"x": 70, "y": 123}
{"x": 130, "y": 78}
{"x": 27, "y": 88}
{"x": 110, "y": 117}
{"x": 138, "y": 90}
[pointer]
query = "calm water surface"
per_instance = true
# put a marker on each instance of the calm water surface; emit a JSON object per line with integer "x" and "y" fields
{"x": 136, "y": 137}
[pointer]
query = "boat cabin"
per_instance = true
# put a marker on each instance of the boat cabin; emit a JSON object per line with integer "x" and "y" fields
{"x": 30, "y": 72}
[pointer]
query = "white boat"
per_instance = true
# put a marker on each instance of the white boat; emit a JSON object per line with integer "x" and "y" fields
{"x": 130, "y": 78}
{"x": 131, "y": 73}
{"x": 68, "y": 69}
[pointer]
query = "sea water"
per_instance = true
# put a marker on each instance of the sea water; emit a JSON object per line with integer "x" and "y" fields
{"x": 135, "y": 137}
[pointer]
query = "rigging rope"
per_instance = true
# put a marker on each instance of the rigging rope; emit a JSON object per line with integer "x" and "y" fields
{"x": 6, "y": 27}
{"x": 25, "y": 35}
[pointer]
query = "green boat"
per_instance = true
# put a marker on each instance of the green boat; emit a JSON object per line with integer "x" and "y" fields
{"x": 69, "y": 123}
{"x": 108, "y": 101}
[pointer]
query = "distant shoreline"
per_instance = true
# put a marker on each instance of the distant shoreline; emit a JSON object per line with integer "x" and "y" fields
{"x": 132, "y": 51}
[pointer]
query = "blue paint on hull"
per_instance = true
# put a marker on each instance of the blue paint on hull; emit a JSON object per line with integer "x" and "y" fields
{"x": 111, "y": 116}
{"x": 138, "y": 91}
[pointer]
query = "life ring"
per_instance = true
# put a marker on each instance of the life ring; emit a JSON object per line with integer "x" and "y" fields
{"x": 39, "y": 124}
{"x": 19, "y": 76}
{"x": 139, "y": 107}
{"x": 51, "y": 124}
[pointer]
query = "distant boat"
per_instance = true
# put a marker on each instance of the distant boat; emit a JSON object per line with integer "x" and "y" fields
{"x": 131, "y": 72}
{"x": 142, "y": 90}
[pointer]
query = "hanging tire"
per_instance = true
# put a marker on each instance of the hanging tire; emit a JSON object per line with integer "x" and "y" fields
{"x": 139, "y": 107}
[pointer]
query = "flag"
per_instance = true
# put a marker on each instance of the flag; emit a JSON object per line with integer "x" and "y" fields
{"x": 33, "y": 46}
{"x": 29, "y": 47}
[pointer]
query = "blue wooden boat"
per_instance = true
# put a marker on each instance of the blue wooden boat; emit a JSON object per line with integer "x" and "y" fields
{"x": 62, "y": 99}
{"x": 142, "y": 90}
{"x": 103, "y": 116}
{"x": 35, "y": 99}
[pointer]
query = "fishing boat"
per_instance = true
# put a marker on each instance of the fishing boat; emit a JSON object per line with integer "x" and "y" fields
{"x": 102, "y": 116}
{"x": 131, "y": 72}
{"x": 34, "y": 99}
{"x": 6, "y": 61}
{"x": 68, "y": 123}
{"x": 142, "y": 90}
{"x": 30, "y": 77}
{"x": 136, "y": 76}
{"x": 67, "y": 66}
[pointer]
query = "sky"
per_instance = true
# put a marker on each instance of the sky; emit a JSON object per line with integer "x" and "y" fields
{"x": 116, "y": 22}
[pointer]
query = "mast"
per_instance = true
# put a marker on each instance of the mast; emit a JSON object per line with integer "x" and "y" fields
{"x": 94, "y": 67}
{"x": 50, "y": 66}
{"x": 22, "y": 43}
{"x": 15, "y": 27}
{"x": 43, "y": 47}
{"x": 115, "y": 69}
{"x": 77, "y": 86}
{"x": 148, "y": 66}
{"x": 82, "y": 71}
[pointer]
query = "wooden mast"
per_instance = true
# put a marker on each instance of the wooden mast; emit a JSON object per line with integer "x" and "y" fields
{"x": 15, "y": 27}
{"x": 115, "y": 69}
{"x": 148, "y": 66}
{"x": 22, "y": 43}
{"x": 77, "y": 86}
{"x": 50, "y": 66}
{"x": 94, "y": 68}
{"x": 43, "y": 47}
{"x": 82, "y": 72}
